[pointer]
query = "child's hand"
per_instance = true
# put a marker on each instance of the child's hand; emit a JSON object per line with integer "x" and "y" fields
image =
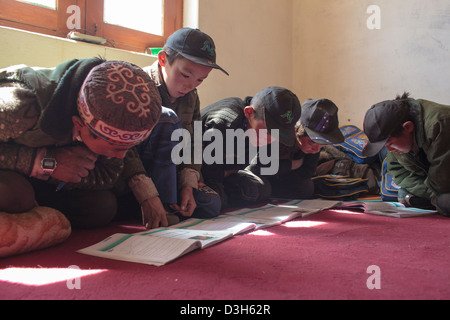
{"x": 187, "y": 203}
{"x": 153, "y": 213}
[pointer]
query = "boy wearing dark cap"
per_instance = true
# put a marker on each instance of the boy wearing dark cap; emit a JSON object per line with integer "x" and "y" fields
{"x": 273, "y": 108}
{"x": 65, "y": 134}
{"x": 185, "y": 62}
{"x": 416, "y": 133}
{"x": 318, "y": 126}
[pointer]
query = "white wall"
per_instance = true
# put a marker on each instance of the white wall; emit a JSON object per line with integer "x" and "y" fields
{"x": 254, "y": 44}
{"x": 338, "y": 57}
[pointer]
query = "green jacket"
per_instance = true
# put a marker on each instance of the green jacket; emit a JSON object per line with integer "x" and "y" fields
{"x": 26, "y": 126}
{"x": 426, "y": 173}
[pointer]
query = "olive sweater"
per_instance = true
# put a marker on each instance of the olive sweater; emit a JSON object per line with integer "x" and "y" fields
{"x": 426, "y": 173}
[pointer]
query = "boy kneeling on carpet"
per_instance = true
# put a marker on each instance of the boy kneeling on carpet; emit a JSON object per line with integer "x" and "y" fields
{"x": 185, "y": 62}
{"x": 318, "y": 126}
{"x": 65, "y": 134}
{"x": 273, "y": 108}
{"x": 416, "y": 133}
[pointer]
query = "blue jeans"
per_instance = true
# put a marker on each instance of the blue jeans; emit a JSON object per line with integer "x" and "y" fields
{"x": 156, "y": 155}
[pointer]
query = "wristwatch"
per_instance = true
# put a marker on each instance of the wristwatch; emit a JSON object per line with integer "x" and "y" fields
{"x": 48, "y": 163}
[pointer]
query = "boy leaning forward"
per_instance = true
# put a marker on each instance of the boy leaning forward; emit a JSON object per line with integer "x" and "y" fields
{"x": 185, "y": 62}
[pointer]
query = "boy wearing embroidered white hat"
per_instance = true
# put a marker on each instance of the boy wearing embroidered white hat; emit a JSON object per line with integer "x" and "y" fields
{"x": 73, "y": 124}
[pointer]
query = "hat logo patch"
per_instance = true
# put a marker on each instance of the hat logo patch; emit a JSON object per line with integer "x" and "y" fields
{"x": 207, "y": 47}
{"x": 323, "y": 124}
{"x": 288, "y": 116}
{"x": 121, "y": 85}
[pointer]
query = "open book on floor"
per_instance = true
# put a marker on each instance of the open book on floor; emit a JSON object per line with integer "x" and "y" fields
{"x": 162, "y": 245}
{"x": 378, "y": 207}
{"x": 384, "y": 208}
{"x": 276, "y": 213}
{"x": 155, "y": 247}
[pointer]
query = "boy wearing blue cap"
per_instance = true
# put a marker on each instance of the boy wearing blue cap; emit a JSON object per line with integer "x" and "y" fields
{"x": 184, "y": 63}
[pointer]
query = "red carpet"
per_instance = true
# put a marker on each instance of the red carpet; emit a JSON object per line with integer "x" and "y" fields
{"x": 323, "y": 256}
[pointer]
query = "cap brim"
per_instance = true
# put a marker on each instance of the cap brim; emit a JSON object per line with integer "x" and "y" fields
{"x": 372, "y": 148}
{"x": 203, "y": 62}
{"x": 286, "y": 135}
{"x": 332, "y": 137}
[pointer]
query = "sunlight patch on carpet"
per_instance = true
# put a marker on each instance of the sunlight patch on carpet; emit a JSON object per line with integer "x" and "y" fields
{"x": 263, "y": 233}
{"x": 43, "y": 276}
{"x": 303, "y": 224}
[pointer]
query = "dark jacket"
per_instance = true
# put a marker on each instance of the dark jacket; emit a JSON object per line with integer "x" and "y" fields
{"x": 225, "y": 114}
{"x": 286, "y": 155}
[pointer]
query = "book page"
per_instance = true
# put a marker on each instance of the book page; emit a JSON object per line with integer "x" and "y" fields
{"x": 268, "y": 215}
{"x": 135, "y": 248}
{"x": 382, "y": 206}
{"x": 386, "y": 208}
{"x": 221, "y": 223}
{"x": 204, "y": 237}
{"x": 313, "y": 204}
{"x": 396, "y": 209}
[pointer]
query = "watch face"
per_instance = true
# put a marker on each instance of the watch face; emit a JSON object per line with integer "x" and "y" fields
{"x": 49, "y": 164}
